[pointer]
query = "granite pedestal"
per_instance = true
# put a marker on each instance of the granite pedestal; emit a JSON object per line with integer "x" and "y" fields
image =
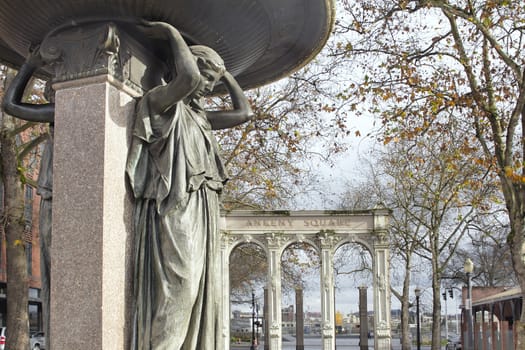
{"x": 97, "y": 80}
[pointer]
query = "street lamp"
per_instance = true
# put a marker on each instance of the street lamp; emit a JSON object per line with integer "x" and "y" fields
{"x": 257, "y": 324}
{"x": 469, "y": 267}
{"x": 252, "y": 347}
{"x": 418, "y": 325}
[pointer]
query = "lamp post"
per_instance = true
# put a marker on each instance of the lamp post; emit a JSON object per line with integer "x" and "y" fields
{"x": 257, "y": 324}
{"x": 469, "y": 267}
{"x": 418, "y": 325}
{"x": 252, "y": 347}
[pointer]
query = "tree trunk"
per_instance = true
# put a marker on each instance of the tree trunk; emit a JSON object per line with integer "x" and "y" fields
{"x": 436, "y": 282}
{"x": 405, "y": 308}
{"x": 517, "y": 241}
{"x": 405, "y": 326}
{"x": 436, "y": 308}
{"x": 13, "y": 223}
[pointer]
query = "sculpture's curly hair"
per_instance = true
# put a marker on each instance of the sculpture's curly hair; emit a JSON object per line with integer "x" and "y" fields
{"x": 208, "y": 58}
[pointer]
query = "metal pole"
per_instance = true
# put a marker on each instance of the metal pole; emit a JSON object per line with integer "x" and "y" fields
{"x": 468, "y": 307}
{"x": 266, "y": 321}
{"x": 446, "y": 316}
{"x": 253, "y": 322}
{"x": 257, "y": 324}
{"x": 418, "y": 325}
{"x": 456, "y": 307}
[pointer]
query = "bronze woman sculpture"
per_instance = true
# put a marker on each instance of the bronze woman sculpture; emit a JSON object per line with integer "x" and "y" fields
{"x": 176, "y": 174}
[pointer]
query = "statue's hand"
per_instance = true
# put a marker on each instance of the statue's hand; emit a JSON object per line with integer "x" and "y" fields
{"x": 239, "y": 99}
{"x": 35, "y": 57}
{"x": 156, "y": 28}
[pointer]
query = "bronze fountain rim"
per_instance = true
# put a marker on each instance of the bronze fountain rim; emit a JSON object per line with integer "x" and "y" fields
{"x": 257, "y": 74}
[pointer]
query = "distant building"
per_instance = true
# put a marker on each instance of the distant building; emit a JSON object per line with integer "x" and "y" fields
{"x": 241, "y": 325}
{"x": 496, "y": 312}
{"x": 288, "y": 314}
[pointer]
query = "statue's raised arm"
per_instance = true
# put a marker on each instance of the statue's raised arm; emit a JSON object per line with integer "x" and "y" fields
{"x": 43, "y": 113}
{"x": 195, "y": 71}
{"x": 186, "y": 78}
{"x": 241, "y": 112}
{"x": 12, "y": 102}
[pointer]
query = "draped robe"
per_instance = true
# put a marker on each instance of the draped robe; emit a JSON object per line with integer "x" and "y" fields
{"x": 176, "y": 176}
{"x": 45, "y": 190}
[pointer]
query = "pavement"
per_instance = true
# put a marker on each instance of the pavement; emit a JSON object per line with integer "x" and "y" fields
{"x": 353, "y": 346}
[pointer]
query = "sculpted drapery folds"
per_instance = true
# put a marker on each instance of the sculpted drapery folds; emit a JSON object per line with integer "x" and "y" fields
{"x": 176, "y": 175}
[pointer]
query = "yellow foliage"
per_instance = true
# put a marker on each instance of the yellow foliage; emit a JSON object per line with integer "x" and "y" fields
{"x": 339, "y": 318}
{"x": 513, "y": 176}
{"x": 389, "y": 139}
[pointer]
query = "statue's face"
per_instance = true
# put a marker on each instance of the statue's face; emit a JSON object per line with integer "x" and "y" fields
{"x": 209, "y": 78}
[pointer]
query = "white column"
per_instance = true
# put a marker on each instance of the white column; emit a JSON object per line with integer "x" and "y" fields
{"x": 274, "y": 292}
{"x": 327, "y": 293}
{"x": 382, "y": 336}
{"x": 225, "y": 289}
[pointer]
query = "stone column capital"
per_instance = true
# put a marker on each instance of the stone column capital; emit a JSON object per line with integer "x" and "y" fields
{"x": 276, "y": 240}
{"x": 101, "y": 48}
{"x": 327, "y": 239}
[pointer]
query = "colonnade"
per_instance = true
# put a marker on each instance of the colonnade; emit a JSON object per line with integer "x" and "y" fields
{"x": 495, "y": 320}
{"x": 325, "y": 231}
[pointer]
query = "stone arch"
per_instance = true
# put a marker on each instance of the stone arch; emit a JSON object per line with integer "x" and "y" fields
{"x": 295, "y": 289}
{"x": 296, "y": 240}
{"x": 325, "y": 231}
{"x": 354, "y": 240}
{"x": 352, "y": 255}
{"x": 242, "y": 276}
{"x": 246, "y": 240}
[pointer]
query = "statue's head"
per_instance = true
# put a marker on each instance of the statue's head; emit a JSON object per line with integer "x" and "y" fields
{"x": 211, "y": 67}
{"x": 207, "y": 58}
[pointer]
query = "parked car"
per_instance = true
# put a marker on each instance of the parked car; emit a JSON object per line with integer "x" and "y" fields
{"x": 37, "y": 341}
{"x": 454, "y": 343}
{"x": 2, "y": 338}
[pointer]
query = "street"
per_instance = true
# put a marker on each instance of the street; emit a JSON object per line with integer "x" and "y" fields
{"x": 342, "y": 343}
